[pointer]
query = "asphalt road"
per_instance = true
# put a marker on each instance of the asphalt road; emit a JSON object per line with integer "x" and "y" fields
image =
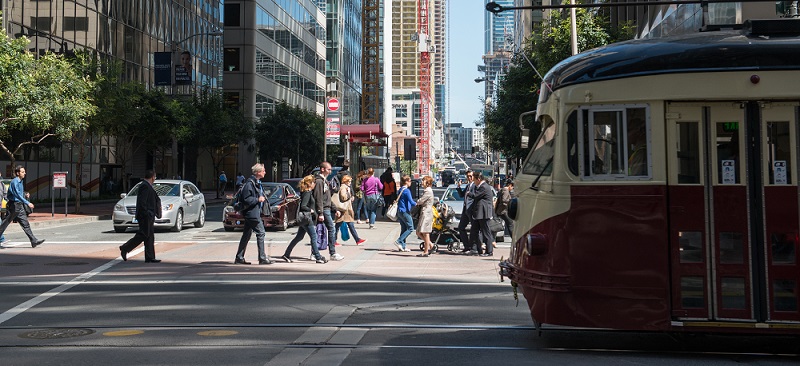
{"x": 74, "y": 301}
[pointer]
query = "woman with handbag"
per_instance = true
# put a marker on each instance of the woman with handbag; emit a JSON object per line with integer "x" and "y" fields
{"x": 426, "y": 216}
{"x": 404, "y": 203}
{"x": 345, "y": 198}
{"x": 306, "y": 221}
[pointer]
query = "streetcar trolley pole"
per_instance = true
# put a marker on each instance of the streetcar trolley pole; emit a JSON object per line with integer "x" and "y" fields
{"x": 59, "y": 181}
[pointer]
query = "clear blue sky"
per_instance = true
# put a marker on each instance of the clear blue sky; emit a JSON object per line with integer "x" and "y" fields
{"x": 466, "y": 48}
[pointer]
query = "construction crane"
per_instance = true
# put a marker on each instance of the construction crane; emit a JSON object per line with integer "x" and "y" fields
{"x": 424, "y": 86}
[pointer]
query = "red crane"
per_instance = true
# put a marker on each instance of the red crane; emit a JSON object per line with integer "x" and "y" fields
{"x": 424, "y": 87}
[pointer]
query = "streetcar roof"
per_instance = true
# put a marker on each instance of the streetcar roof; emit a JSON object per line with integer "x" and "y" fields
{"x": 731, "y": 50}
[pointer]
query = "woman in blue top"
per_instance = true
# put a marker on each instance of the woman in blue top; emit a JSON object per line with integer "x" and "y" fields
{"x": 404, "y": 204}
{"x": 16, "y": 206}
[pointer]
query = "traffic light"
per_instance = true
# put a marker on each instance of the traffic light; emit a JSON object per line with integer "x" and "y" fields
{"x": 410, "y": 149}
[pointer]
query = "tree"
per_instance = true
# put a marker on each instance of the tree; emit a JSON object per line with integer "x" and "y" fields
{"x": 289, "y": 131}
{"x": 212, "y": 126}
{"x": 39, "y": 98}
{"x": 547, "y": 46}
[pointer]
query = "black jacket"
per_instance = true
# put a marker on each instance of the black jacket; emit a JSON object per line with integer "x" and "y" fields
{"x": 482, "y": 202}
{"x": 249, "y": 198}
{"x": 308, "y": 204}
{"x": 322, "y": 193}
{"x": 148, "y": 204}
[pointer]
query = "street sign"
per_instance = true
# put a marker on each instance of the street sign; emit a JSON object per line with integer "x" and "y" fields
{"x": 60, "y": 179}
{"x": 332, "y": 131}
{"x": 333, "y": 104}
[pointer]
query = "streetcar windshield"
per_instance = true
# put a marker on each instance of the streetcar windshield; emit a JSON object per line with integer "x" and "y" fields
{"x": 538, "y": 162}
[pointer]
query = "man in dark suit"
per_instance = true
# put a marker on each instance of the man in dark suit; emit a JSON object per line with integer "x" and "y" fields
{"x": 466, "y": 216}
{"x": 481, "y": 211}
{"x": 148, "y": 208}
{"x": 254, "y": 204}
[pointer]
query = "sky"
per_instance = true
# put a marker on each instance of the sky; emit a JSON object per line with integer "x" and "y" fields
{"x": 464, "y": 55}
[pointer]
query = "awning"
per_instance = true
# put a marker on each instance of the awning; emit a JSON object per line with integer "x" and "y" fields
{"x": 369, "y": 134}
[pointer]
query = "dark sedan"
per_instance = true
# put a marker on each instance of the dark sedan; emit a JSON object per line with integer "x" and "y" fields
{"x": 284, "y": 202}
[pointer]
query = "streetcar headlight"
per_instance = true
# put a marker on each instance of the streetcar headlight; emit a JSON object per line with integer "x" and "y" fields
{"x": 535, "y": 244}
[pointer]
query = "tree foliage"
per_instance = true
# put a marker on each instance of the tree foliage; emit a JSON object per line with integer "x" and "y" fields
{"x": 293, "y": 132}
{"x": 547, "y": 46}
{"x": 39, "y": 98}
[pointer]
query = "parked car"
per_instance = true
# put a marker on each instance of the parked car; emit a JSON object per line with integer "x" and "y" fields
{"x": 294, "y": 182}
{"x": 181, "y": 203}
{"x": 284, "y": 203}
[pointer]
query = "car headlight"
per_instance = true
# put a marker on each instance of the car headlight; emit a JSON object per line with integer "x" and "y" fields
{"x": 167, "y": 207}
{"x": 119, "y": 207}
{"x": 274, "y": 209}
{"x": 229, "y": 209}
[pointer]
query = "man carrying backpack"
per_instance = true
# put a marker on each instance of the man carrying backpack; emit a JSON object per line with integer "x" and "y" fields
{"x": 338, "y": 178}
{"x": 252, "y": 204}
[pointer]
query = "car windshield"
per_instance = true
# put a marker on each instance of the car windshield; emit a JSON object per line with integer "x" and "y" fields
{"x": 273, "y": 193}
{"x": 452, "y": 195}
{"x": 162, "y": 189}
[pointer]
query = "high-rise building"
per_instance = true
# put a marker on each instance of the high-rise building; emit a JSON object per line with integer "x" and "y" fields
{"x": 343, "y": 56}
{"x": 498, "y": 47}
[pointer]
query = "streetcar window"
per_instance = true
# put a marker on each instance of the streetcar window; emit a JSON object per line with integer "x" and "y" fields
{"x": 688, "y": 153}
{"x": 779, "y": 150}
{"x": 539, "y": 161}
{"x": 616, "y": 142}
{"x": 727, "y": 154}
{"x": 692, "y": 290}
{"x": 785, "y": 295}
{"x": 572, "y": 142}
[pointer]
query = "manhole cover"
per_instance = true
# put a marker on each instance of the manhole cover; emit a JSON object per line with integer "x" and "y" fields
{"x": 66, "y": 263}
{"x": 12, "y": 264}
{"x": 56, "y": 333}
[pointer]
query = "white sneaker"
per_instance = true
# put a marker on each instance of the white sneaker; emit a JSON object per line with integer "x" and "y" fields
{"x": 372, "y": 226}
{"x": 337, "y": 257}
{"x": 399, "y": 246}
{"x": 406, "y": 250}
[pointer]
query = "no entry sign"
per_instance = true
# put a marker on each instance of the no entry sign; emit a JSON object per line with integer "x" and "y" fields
{"x": 333, "y": 104}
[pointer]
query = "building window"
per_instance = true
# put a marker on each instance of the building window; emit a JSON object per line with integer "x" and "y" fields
{"x": 401, "y": 112}
{"x": 80, "y": 24}
{"x": 41, "y": 23}
{"x": 231, "y": 60}
{"x": 232, "y": 17}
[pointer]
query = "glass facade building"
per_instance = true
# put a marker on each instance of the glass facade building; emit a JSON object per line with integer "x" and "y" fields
{"x": 343, "y": 63}
{"x": 131, "y": 33}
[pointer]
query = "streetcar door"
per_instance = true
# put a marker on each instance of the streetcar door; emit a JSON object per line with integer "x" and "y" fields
{"x": 733, "y": 207}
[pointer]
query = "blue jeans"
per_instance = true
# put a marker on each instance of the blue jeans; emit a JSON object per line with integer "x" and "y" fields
{"x": 358, "y": 207}
{"x": 331, "y": 230}
{"x": 301, "y": 232}
{"x": 406, "y": 227}
{"x": 372, "y": 207}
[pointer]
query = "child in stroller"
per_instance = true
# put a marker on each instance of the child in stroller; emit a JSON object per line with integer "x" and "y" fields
{"x": 442, "y": 233}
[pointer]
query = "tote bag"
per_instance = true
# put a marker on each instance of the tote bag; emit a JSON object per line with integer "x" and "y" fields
{"x": 322, "y": 236}
{"x": 345, "y": 232}
{"x": 391, "y": 212}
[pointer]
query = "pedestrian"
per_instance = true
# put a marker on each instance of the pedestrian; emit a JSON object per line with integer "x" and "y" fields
{"x": 344, "y": 171}
{"x": 389, "y": 189}
{"x": 308, "y": 223}
{"x": 466, "y": 216}
{"x": 6, "y": 206}
{"x": 223, "y": 181}
{"x": 18, "y": 207}
{"x": 358, "y": 201}
{"x": 372, "y": 188}
{"x": 501, "y": 206}
{"x": 481, "y": 211}
{"x": 405, "y": 202}
{"x": 425, "y": 225}
{"x": 322, "y": 196}
{"x": 148, "y": 208}
{"x": 239, "y": 181}
{"x": 346, "y": 217}
{"x": 254, "y": 204}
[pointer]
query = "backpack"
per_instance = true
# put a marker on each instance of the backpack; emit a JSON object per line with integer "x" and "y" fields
{"x": 238, "y": 204}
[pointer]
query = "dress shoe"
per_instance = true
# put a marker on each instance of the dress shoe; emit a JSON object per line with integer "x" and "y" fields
{"x": 265, "y": 262}
{"x": 123, "y": 254}
{"x": 486, "y": 255}
{"x": 241, "y": 261}
{"x": 36, "y": 243}
{"x": 152, "y": 260}
{"x": 286, "y": 258}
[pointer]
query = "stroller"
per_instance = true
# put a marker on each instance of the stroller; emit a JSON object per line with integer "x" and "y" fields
{"x": 442, "y": 233}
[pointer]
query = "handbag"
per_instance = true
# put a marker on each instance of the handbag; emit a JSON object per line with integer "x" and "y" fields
{"x": 322, "y": 236}
{"x": 304, "y": 218}
{"x": 345, "y": 232}
{"x": 496, "y": 225}
{"x": 391, "y": 212}
{"x": 338, "y": 205}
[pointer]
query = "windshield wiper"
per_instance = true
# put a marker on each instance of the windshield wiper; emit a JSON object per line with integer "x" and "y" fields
{"x": 535, "y": 181}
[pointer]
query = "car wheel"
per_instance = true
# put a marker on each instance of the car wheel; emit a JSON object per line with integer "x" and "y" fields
{"x": 178, "y": 221}
{"x": 284, "y": 222}
{"x": 201, "y": 219}
{"x": 228, "y": 228}
{"x": 120, "y": 229}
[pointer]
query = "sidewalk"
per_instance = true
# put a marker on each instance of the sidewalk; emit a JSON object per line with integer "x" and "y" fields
{"x": 95, "y": 210}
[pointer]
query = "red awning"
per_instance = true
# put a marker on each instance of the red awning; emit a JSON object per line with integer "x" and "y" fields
{"x": 368, "y": 131}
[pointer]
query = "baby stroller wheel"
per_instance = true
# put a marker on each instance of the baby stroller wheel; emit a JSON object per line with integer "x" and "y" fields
{"x": 434, "y": 248}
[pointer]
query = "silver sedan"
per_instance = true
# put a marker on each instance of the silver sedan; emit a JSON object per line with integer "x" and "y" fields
{"x": 181, "y": 203}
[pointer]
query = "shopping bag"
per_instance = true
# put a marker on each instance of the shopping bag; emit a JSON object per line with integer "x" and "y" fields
{"x": 345, "y": 232}
{"x": 322, "y": 236}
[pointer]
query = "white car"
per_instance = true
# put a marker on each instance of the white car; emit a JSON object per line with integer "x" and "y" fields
{"x": 456, "y": 202}
{"x": 181, "y": 203}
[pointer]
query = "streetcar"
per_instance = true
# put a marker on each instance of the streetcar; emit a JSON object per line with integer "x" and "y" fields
{"x": 662, "y": 192}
